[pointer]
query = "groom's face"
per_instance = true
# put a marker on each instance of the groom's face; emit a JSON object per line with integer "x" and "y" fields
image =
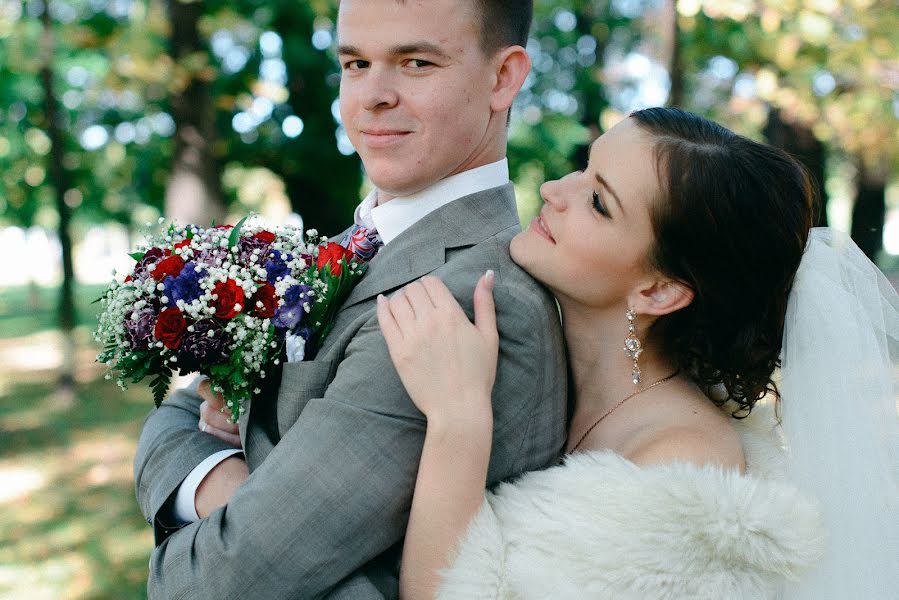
{"x": 415, "y": 90}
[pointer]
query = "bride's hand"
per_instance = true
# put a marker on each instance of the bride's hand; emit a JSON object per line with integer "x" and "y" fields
{"x": 446, "y": 363}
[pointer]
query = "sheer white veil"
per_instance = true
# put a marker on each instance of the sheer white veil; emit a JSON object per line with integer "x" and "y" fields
{"x": 839, "y": 415}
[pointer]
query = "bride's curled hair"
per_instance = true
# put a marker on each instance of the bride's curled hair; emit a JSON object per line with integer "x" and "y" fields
{"x": 732, "y": 225}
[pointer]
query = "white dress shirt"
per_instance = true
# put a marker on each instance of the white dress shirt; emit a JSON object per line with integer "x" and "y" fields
{"x": 390, "y": 219}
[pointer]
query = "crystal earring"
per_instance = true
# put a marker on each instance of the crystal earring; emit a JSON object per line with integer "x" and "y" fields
{"x": 632, "y": 346}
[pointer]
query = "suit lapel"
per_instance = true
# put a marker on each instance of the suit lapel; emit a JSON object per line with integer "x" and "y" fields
{"x": 422, "y": 248}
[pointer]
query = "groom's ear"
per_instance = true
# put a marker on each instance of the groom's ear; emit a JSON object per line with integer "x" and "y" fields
{"x": 512, "y": 67}
{"x": 661, "y": 297}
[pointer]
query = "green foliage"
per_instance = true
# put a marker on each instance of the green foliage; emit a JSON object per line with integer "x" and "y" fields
{"x": 328, "y": 302}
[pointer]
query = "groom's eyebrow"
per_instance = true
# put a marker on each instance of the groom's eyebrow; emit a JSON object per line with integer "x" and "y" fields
{"x": 350, "y": 50}
{"x": 419, "y": 48}
{"x": 605, "y": 184}
{"x": 401, "y": 50}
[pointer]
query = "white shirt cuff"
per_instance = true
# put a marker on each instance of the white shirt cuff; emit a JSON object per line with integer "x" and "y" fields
{"x": 185, "y": 501}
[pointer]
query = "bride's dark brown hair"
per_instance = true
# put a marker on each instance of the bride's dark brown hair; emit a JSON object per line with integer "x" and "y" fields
{"x": 732, "y": 224}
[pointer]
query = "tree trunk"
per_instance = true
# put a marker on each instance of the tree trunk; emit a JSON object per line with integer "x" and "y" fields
{"x": 61, "y": 181}
{"x": 194, "y": 191}
{"x": 593, "y": 98}
{"x": 801, "y": 143}
{"x": 321, "y": 183}
{"x": 675, "y": 61}
{"x": 869, "y": 211}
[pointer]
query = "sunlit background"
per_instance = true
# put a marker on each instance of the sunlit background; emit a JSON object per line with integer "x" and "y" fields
{"x": 115, "y": 113}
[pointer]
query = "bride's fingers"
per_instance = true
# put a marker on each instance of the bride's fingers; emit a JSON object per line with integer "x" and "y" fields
{"x": 402, "y": 310}
{"x": 440, "y": 295}
{"x": 389, "y": 327}
{"x": 484, "y": 306}
{"x": 419, "y": 299}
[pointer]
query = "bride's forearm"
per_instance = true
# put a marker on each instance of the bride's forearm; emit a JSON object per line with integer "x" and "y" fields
{"x": 449, "y": 491}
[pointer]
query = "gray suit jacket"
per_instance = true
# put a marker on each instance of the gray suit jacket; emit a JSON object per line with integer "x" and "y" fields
{"x": 334, "y": 456}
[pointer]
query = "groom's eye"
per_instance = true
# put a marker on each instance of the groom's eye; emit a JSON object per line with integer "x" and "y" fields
{"x": 419, "y": 63}
{"x": 355, "y": 65}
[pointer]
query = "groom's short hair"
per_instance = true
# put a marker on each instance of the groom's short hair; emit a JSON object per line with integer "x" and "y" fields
{"x": 503, "y": 23}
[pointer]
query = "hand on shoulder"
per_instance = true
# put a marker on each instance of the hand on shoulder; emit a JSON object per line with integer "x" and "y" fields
{"x": 446, "y": 363}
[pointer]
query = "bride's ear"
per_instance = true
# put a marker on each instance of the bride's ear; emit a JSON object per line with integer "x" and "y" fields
{"x": 661, "y": 297}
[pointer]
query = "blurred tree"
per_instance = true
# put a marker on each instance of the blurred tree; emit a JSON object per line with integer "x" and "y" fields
{"x": 60, "y": 181}
{"x": 812, "y": 73}
{"x": 280, "y": 112}
{"x": 194, "y": 191}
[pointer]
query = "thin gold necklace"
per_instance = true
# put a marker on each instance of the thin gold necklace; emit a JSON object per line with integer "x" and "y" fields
{"x": 625, "y": 399}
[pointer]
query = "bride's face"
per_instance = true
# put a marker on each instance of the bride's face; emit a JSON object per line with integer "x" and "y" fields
{"x": 591, "y": 241}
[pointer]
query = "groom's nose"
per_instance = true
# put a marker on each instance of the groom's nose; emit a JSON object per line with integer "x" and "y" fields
{"x": 379, "y": 89}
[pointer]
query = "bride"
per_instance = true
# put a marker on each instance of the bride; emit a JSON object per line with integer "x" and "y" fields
{"x": 686, "y": 274}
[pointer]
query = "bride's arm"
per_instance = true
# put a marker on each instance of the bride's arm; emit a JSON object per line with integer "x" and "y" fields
{"x": 448, "y": 366}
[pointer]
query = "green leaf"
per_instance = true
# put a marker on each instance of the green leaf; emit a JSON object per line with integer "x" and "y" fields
{"x": 137, "y": 256}
{"x": 160, "y": 385}
{"x": 235, "y": 232}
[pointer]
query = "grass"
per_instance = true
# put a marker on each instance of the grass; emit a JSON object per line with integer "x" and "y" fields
{"x": 69, "y": 523}
{"x": 27, "y": 310}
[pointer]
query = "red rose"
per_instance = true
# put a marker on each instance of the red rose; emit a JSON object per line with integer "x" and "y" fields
{"x": 170, "y": 326}
{"x": 331, "y": 254}
{"x": 223, "y": 227}
{"x": 170, "y": 266}
{"x": 266, "y": 295}
{"x": 182, "y": 244}
{"x": 266, "y": 236}
{"x": 230, "y": 299}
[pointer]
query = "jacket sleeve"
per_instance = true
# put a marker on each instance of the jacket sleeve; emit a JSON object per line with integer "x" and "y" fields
{"x": 332, "y": 495}
{"x": 169, "y": 448}
{"x": 331, "y": 500}
{"x": 478, "y": 567}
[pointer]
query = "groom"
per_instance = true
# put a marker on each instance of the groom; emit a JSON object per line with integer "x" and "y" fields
{"x": 332, "y": 457}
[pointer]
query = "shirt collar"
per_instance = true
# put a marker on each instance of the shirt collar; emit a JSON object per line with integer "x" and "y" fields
{"x": 399, "y": 214}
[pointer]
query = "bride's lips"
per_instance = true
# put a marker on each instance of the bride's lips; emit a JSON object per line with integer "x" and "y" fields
{"x": 383, "y": 138}
{"x": 539, "y": 226}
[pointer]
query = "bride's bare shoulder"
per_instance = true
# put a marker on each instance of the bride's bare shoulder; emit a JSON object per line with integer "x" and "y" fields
{"x": 703, "y": 436}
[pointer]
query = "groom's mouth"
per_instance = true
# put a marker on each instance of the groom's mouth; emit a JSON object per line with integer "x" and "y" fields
{"x": 383, "y": 138}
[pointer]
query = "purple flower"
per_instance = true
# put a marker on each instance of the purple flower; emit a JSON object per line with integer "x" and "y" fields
{"x": 139, "y": 331}
{"x": 297, "y": 293}
{"x": 245, "y": 248}
{"x": 199, "y": 351}
{"x": 288, "y": 316}
{"x": 186, "y": 286}
{"x": 276, "y": 267}
{"x": 291, "y": 313}
{"x": 151, "y": 257}
{"x": 213, "y": 257}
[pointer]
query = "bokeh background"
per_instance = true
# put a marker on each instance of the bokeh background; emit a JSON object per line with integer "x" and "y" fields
{"x": 114, "y": 113}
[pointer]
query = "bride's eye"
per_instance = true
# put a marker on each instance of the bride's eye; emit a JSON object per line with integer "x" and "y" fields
{"x": 598, "y": 205}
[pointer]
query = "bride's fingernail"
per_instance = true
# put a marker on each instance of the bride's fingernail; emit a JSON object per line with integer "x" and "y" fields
{"x": 381, "y": 299}
{"x": 490, "y": 275}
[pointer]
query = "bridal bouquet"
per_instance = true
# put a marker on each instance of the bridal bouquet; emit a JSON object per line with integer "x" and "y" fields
{"x": 224, "y": 302}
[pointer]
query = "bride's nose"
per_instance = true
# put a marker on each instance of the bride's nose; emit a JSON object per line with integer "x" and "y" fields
{"x": 551, "y": 192}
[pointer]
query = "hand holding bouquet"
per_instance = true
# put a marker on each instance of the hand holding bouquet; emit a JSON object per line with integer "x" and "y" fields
{"x": 223, "y": 302}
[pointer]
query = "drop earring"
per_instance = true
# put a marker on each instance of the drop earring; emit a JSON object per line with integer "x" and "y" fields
{"x": 632, "y": 346}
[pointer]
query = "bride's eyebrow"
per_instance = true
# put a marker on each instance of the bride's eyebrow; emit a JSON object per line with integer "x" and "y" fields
{"x": 605, "y": 184}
